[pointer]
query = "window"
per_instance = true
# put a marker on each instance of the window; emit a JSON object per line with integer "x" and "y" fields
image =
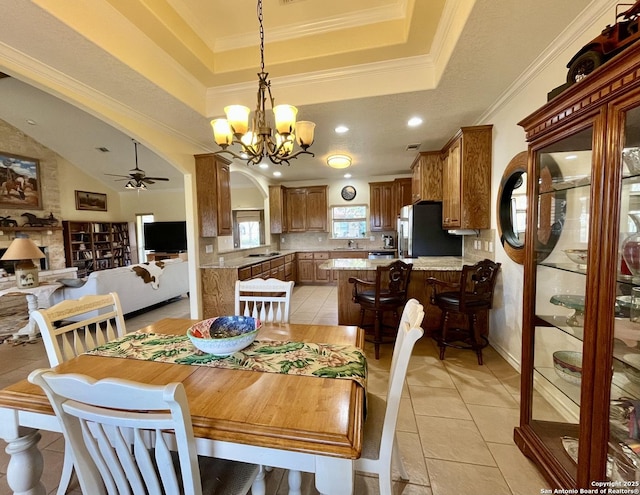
{"x": 349, "y": 222}
{"x": 247, "y": 227}
{"x": 141, "y": 219}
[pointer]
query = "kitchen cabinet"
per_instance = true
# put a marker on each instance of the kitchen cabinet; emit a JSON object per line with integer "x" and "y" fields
{"x": 306, "y": 268}
{"x": 402, "y": 190}
{"x": 306, "y": 209}
{"x": 277, "y": 209}
{"x": 426, "y": 177}
{"x": 580, "y": 381}
{"x": 92, "y": 246}
{"x": 382, "y": 216}
{"x": 466, "y": 179}
{"x": 321, "y": 276}
{"x": 214, "y": 195}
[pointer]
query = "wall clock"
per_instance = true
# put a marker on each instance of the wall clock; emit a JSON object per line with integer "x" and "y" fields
{"x": 348, "y": 193}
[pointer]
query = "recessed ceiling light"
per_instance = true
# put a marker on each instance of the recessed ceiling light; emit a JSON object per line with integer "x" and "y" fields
{"x": 414, "y": 121}
{"x": 31, "y": 122}
{"x": 277, "y": 174}
{"x": 264, "y": 165}
{"x": 571, "y": 157}
{"x": 347, "y": 176}
{"x": 341, "y": 129}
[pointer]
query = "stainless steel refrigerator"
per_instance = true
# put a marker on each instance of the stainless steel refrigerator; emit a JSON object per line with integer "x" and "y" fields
{"x": 420, "y": 232}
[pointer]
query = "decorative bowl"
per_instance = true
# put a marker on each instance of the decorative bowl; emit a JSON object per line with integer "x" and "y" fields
{"x": 568, "y": 365}
{"x": 72, "y": 282}
{"x": 578, "y": 256}
{"x": 623, "y": 306}
{"x": 224, "y": 335}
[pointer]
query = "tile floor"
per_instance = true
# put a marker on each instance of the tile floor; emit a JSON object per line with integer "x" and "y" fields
{"x": 455, "y": 428}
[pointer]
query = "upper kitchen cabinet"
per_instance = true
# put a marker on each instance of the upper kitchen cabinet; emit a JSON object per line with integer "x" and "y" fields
{"x": 214, "y": 195}
{"x": 466, "y": 179}
{"x": 426, "y": 178}
{"x": 580, "y": 368}
{"x": 306, "y": 209}
{"x": 382, "y": 215}
{"x": 402, "y": 194}
{"x": 277, "y": 209}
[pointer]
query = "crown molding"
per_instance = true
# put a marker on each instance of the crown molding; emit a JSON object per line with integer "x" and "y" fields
{"x": 358, "y": 81}
{"x": 594, "y": 11}
{"x": 327, "y": 25}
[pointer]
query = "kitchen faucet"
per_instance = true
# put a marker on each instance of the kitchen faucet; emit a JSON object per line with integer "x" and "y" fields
{"x": 350, "y": 243}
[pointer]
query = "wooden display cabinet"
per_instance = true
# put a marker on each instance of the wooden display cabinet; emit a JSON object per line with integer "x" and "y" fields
{"x": 583, "y": 192}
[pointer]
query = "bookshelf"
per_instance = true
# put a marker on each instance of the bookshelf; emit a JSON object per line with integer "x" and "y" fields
{"x": 92, "y": 246}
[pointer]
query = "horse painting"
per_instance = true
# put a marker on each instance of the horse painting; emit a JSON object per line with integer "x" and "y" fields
{"x": 19, "y": 182}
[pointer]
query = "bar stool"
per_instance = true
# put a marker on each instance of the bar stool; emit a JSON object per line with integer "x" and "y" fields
{"x": 388, "y": 293}
{"x": 469, "y": 297}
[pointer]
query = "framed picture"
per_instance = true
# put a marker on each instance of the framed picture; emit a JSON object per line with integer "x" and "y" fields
{"x": 91, "y": 201}
{"x": 20, "y": 182}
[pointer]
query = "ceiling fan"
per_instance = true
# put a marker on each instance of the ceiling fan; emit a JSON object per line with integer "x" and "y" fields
{"x": 137, "y": 177}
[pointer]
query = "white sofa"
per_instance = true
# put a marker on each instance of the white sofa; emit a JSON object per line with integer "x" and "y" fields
{"x": 133, "y": 292}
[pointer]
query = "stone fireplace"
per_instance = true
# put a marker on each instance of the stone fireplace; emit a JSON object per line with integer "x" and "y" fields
{"x": 15, "y": 142}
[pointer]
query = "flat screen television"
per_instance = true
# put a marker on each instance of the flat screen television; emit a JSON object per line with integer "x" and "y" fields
{"x": 165, "y": 237}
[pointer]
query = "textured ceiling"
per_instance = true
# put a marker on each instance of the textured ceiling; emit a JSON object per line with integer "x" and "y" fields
{"x": 99, "y": 73}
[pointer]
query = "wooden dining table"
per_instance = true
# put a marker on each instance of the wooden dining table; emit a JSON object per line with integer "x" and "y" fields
{"x": 301, "y": 423}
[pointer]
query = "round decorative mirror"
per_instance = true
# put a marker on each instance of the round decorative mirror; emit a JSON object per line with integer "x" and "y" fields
{"x": 512, "y": 207}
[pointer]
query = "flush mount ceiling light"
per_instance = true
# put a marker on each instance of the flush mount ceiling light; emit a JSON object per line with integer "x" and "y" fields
{"x": 339, "y": 161}
{"x": 258, "y": 142}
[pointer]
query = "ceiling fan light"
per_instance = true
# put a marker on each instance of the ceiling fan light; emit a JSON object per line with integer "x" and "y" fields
{"x": 285, "y": 117}
{"x": 222, "y": 132}
{"x": 130, "y": 185}
{"x": 339, "y": 161}
{"x": 238, "y": 118}
{"x": 304, "y": 133}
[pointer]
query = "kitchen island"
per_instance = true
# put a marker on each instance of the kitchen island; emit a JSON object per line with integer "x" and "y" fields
{"x": 447, "y": 268}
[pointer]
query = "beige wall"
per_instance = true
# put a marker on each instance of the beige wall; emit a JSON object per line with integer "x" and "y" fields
{"x": 508, "y": 140}
{"x": 71, "y": 179}
{"x": 165, "y": 205}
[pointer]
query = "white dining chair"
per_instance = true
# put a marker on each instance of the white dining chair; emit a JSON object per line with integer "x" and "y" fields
{"x": 64, "y": 339}
{"x": 128, "y": 437}
{"x": 380, "y": 447}
{"x": 268, "y": 300}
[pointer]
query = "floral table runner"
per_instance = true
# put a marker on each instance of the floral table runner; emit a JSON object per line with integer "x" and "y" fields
{"x": 293, "y": 358}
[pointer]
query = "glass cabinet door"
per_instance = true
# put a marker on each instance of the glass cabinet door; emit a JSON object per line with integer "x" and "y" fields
{"x": 623, "y": 462}
{"x": 561, "y": 257}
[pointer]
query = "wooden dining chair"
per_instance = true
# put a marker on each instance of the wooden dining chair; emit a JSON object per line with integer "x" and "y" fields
{"x": 128, "y": 437}
{"x": 268, "y": 300}
{"x": 64, "y": 339}
{"x": 380, "y": 449}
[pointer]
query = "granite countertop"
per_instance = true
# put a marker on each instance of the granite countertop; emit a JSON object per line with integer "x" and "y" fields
{"x": 249, "y": 260}
{"x": 423, "y": 263}
{"x": 241, "y": 262}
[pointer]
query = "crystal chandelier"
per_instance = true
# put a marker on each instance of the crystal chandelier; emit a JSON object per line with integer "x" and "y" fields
{"x": 258, "y": 142}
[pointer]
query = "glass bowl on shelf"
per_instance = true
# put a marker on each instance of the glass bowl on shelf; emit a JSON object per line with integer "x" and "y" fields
{"x": 578, "y": 256}
{"x": 571, "y": 301}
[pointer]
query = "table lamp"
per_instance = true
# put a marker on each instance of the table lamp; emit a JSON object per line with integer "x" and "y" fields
{"x": 23, "y": 251}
